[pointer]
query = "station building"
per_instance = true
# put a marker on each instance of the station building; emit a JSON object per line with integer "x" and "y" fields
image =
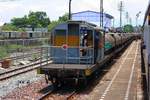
{"x": 94, "y": 17}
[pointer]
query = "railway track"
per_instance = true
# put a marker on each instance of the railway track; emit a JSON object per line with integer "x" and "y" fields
{"x": 46, "y": 95}
{"x": 49, "y": 94}
{"x": 71, "y": 96}
{"x": 24, "y": 69}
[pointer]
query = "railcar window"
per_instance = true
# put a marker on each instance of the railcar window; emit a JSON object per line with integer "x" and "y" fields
{"x": 87, "y": 38}
{"x": 60, "y": 32}
{"x": 73, "y": 29}
{"x": 31, "y": 35}
{"x": 9, "y": 34}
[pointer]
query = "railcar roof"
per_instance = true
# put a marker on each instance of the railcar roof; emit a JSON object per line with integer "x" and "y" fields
{"x": 82, "y": 22}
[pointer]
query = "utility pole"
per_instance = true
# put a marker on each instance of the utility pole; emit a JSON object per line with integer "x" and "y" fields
{"x": 130, "y": 21}
{"x": 70, "y": 9}
{"x": 101, "y": 13}
{"x": 121, "y": 10}
{"x": 101, "y": 26}
{"x": 127, "y": 17}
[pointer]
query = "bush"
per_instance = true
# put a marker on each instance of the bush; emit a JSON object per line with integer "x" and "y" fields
{"x": 3, "y": 53}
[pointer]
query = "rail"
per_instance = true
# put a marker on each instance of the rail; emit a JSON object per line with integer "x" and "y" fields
{"x": 71, "y": 96}
{"x": 18, "y": 71}
{"x": 48, "y": 94}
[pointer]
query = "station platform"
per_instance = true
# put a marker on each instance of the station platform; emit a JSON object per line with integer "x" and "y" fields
{"x": 123, "y": 79}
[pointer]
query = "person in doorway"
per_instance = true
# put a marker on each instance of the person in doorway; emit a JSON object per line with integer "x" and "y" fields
{"x": 84, "y": 44}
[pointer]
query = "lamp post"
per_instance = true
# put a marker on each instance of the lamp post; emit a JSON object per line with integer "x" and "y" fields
{"x": 137, "y": 16}
{"x": 70, "y": 9}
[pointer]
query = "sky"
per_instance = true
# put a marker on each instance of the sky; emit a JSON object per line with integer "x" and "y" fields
{"x": 56, "y": 8}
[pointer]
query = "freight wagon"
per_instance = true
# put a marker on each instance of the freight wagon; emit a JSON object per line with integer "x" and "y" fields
{"x": 21, "y": 35}
{"x": 78, "y": 51}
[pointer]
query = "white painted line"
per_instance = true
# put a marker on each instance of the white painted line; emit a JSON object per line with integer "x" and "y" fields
{"x": 114, "y": 77}
{"x": 131, "y": 75}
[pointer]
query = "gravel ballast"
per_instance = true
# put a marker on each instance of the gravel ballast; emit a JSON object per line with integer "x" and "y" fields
{"x": 22, "y": 86}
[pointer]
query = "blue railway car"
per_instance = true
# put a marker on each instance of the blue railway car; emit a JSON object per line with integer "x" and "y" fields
{"x": 78, "y": 50}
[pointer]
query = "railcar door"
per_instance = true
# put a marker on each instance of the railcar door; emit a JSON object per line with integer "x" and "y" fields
{"x": 73, "y": 41}
{"x": 86, "y": 45}
{"x": 65, "y": 48}
{"x": 58, "y": 54}
{"x": 98, "y": 46}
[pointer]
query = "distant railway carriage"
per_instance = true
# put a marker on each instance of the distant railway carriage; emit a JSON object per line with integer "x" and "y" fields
{"x": 20, "y": 35}
{"x": 109, "y": 43}
{"x": 8, "y": 34}
{"x": 78, "y": 50}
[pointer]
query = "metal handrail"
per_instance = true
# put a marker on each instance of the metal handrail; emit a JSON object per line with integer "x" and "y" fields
{"x": 88, "y": 59}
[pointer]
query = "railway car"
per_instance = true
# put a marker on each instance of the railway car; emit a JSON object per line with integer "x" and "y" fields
{"x": 9, "y": 35}
{"x": 78, "y": 51}
{"x": 109, "y": 43}
{"x": 21, "y": 35}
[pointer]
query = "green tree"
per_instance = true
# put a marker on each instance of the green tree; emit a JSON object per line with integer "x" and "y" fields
{"x": 38, "y": 19}
{"x": 61, "y": 19}
{"x": 33, "y": 20}
{"x": 64, "y": 18}
{"x": 20, "y": 22}
{"x": 9, "y": 27}
{"x": 52, "y": 25}
{"x": 128, "y": 28}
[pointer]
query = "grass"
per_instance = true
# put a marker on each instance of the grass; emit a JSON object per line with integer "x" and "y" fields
{"x": 14, "y": 47}
{"x": 5, "y": 50}
{"x": 11, "y": 48}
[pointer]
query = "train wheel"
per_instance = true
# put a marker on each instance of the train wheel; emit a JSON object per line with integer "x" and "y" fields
{"x": 46, "y": 78}
{"x": 76, "y": 82}
{"x": 62, "y": 83}
{"x": 54, "y": 82}
{"x": 85, "y": 82}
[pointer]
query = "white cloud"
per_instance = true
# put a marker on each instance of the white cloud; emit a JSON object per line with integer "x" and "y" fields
{"x": 4, "y": 7}
{"x": 1, "y": 23}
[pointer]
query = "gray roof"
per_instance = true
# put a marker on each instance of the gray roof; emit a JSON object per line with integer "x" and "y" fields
{"x": 107, "y": 15}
